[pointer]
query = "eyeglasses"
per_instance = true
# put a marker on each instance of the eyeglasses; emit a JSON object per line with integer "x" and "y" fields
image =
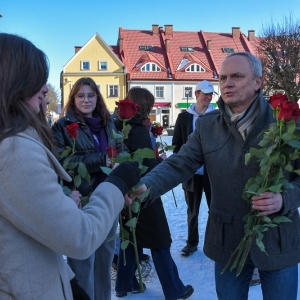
{"x": 81, "y": 96}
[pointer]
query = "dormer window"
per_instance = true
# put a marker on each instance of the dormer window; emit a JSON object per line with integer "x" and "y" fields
{"x": 187, "y": 49}
{"x": 150, "y": 67}
{"x": 146, "y": 48}
{"x": 228, "y": 50}
{"x": 195, "y": 68}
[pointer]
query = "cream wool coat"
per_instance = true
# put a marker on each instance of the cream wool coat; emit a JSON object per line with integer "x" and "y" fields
{"x": 38, "y": 223}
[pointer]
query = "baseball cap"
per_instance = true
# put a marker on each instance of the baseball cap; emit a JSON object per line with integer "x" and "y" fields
{"x": 205, "y": 86}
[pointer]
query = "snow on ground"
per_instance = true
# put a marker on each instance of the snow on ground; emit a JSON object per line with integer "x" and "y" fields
{"x": 197, "y": 269}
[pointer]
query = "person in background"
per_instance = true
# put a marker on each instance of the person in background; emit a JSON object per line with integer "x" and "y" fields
{"x": 152, "y": 230}
{"x": 86, "y": 107}
{"x": 220, "y": 141}
{"x": 38, "y": 221}
{"x": 193, "y": 188}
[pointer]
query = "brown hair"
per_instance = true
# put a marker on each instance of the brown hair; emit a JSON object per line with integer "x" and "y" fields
{"x": 144, "y": 99}
{"x": 100, "y": 109}
{"x": 24, "y": 70}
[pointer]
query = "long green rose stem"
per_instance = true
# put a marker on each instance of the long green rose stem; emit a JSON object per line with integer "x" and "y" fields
{"x": 73, "y": 152}
{"x": 242, "y": 250}
{"x": 162, "y": 146}
{"x": 136, "y": 252}
{"x": 122, "y": 237}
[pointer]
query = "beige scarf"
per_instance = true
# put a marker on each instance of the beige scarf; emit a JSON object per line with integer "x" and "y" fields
{"x": 244, "y": 120}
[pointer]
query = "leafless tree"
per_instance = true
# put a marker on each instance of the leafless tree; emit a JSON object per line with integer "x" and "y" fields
{"x": 53, "y": 97}
{"x": 279, "y": 51}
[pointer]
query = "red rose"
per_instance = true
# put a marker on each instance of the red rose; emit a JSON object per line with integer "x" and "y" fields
{"x": 296, "y": 114}
{"x": 127, "y": 109}
{"x": 277, "y": 99}
{"x": 288, "y": 110}
{"x": 158, "y": 130}
{"x": 112, "y": 151}
{"x": 72, "y": 130}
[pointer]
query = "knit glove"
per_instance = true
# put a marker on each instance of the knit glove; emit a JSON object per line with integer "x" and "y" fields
{"x": 125, "y": 176}
{"x": 77, "y": 291}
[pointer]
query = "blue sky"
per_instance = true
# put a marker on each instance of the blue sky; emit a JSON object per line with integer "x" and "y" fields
{"x": 56, "y": 26}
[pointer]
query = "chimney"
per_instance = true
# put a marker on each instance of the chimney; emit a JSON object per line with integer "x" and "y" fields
{"x": 208, "y": 43}
{"x": 121, "y": 45}
{"x": 235, "y": 32}
{"x": 77, "y": 48}
{"x": 168, "y": 45}
{"x": 169, "y": 30}
{"x": 251, "y": 35}
{"x": 154, "y": 29}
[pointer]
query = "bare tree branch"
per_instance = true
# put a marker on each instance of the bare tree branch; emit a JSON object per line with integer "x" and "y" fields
{"x": 53, "y": 97}
{"x": 279, "y": 52}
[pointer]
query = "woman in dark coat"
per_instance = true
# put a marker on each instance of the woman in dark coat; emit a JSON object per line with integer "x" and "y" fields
{"x": 152, "y": 230}
{"x": 87, "y": 108}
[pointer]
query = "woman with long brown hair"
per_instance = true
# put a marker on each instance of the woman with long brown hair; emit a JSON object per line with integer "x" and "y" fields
{"x": 87, "y": 108}
{"x": 38, "y": 222}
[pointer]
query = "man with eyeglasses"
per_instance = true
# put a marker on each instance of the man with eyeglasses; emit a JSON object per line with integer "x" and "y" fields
{"x": 220, "y": 140}
{"x": 193, "y": 188}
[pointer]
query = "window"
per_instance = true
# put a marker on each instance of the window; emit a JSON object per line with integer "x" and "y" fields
{"x": 99, "y": 87}
{"x": 85, "y": 65}
{"x": 187, "y": 49}
{"x": 228, "y": 50}
{"x": 187, "y": 92}
{"x": 159, "y": 91}
{"x": 146, "y": 47}
{"x": 113, "y": 90}
{"x": 150, "y": 67}
{"x": 103, "y": 65}
{"x": 195, "y": 68}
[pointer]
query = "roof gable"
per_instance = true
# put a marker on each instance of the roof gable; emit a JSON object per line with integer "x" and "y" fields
{"x": 94, "y": 46}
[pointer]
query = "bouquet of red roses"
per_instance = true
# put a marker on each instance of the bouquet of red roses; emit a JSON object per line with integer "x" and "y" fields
{"x": 279, "y": 147}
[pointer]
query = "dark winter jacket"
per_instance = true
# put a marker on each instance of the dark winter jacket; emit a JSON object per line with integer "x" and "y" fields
{"x": 217, "y": 143}
{"x": 85, "y": 149}
{"x": 152, "y": 229}
{"x": 183, "y": 128}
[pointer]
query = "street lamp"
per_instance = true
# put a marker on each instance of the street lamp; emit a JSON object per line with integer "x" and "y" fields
{"x": 187, "y": 92}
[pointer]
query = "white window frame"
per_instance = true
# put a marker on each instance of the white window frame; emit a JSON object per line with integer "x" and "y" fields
{"x": 82, "y": 63}
{"x": 113, "y": 86}
{"x": 146, "y": 48}
{"x": 158, "y": 90}
{"x": 99, "y": 65}
{"x": 195, "y": 68}
{"x": 150, "y": 67}
{"x": 99, "y": 87}
{"x": 187, "y": 49}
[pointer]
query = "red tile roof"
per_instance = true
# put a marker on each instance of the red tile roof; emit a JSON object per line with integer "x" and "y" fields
{"x": 168, "y": 56}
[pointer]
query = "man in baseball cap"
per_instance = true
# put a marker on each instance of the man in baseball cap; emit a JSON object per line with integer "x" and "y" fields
{"x": 193, "y": 188}
{"x": 205, "y": 86}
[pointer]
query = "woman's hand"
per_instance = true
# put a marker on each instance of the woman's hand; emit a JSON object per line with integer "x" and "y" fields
{"x": 76, "y": 197}
{"x": 163, "y": 156}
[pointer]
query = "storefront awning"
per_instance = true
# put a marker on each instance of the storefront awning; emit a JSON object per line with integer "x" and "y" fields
{"x": 162, "y": 104}
{"x": 184, "y": 104}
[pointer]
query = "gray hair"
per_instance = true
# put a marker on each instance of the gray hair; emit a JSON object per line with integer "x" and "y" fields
{"x": 254, "y": 62}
